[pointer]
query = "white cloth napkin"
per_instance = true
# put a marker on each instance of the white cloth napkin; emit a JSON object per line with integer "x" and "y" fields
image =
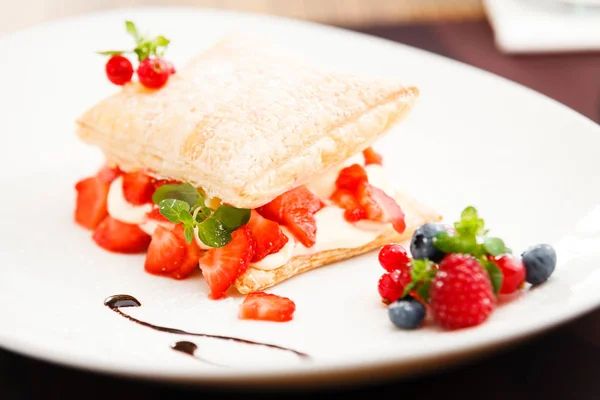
{"x": 545, "y": 26}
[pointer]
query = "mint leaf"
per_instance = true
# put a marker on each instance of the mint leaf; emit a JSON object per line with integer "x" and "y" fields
{"x": 466, "y": 244}
{"x": 188, "y": 232}
{"x": 132, "y": 30}
{"x": 494, "y": 273}
{"x": 184, "y": 192}
{"x": 171, "y": 209}
{"x": 212, "y": 233}
{"x": 494, "y": 246}
{"x": 421, "y": 273}
{"x": 160, "y": 41}
{"x": 185, "y": 216}
{"x": 445, "y": 242}
{"x": 469, "y": 223}
{"x": 231, "y": 217}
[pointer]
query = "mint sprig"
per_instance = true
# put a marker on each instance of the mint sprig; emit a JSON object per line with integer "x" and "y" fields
{"x": 471, "y": 237}
{"x": 184, "y": 204}
{"x": 422, "y": 272}
{"x": 145, "y": 46}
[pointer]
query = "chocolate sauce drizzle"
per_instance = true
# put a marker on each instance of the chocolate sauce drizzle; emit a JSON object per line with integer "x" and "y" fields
{"x": 124, "y": 300}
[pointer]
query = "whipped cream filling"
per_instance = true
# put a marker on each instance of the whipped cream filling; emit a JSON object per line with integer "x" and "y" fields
{"x": 120, "y": 209}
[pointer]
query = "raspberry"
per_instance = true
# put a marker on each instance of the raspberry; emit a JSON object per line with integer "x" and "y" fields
{"x": 461, "y": 293}
{"x": 393, "y": 257}
{"x": 392, "y": 284}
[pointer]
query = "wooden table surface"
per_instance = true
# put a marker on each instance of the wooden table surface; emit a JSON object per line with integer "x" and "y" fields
{"x": 563, "y": 363}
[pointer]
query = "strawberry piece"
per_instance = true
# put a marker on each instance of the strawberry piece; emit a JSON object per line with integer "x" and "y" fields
{"x": 268, "y": 236}
{"x": 461, "y": 293}
{"x": 169, "y": 254}
{"x": 267, "y": 307}
{"x": 346, "y": 200}
{"x": 380, "y": 207}
{"x": 90, "y": 207}
{"x": 350, "y": 177}
{"x": 138, "y": 188}
{"x": 295, "y": 210}
{"x": 302, "y": 225}
{"x": 157, "y": 216}
{"x": 108, "y": 174}
{"x": 371, "y": 157}
{"x": 119, "y": 237}
{"x": 221, "y": 266}
{"x": 294, "y": 199}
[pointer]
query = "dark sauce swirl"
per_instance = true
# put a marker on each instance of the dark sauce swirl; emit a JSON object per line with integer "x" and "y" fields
{"x": 124, "y": 300}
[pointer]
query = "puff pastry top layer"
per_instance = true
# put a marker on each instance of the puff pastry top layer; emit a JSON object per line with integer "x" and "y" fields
{"x": 244, "y": 121}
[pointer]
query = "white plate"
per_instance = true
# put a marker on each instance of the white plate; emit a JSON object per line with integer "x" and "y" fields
{"x": 529, "y": 164}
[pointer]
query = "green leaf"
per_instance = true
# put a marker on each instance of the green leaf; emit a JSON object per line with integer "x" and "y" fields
{"x": 111, "y": 52}
{"x": 423, "y": 291}
{"x": 188, "y": 232}
{"x": 469, "y": 213}
{"x": 184, "y": 192}
{"x": 231, "y": 217}
{"x": 469, "y": 223}
{"x": 185, "y": 216}
{"x": 466, "y": 244}
{"x": 212, "y": 233}
{"x": 160, "y": 41}
{"x": 171, "y": 209}
{"x": 445, "y": 242}
{"x": 494, "y": 246}
{"x": 132, "y": 30}
{"x": 494, "y": 273}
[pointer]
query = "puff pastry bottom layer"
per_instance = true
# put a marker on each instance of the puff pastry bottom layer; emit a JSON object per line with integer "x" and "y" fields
{"x": 416, "y": 214}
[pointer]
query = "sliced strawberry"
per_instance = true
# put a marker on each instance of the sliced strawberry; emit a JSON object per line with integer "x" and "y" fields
{"x": 157, "y": 216}
{"x": 350, "y": 177}
{"x": 90, "y": 207}
{"x": 267, "y": 307}
{"x": 295, "y": 210}
{"x": 302, "y": 225}
{"x": 138, "y": 188}
{"x": 391, "y": 210}
{"x": 294, "y": 199}
{"x": 371, "y": 157}
{"x": 108, "y": 174}
{"x": 221, "y": 266}
{"x": 380, "y": 207}
{"x": 119, "y": 237}
{"x": 169, "y": 254}
{"x": 267, "y": 234}
{"x": 353, "y": 210}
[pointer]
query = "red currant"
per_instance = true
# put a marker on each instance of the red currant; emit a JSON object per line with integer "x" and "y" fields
{"x": 392, "y": 284}
{"x": 170, "y": 67}
{"x": 153, "y": 72}
{"x": 513, "y": 272}
{"x": 393, "y": 257}
{"x": 119, "y": 70}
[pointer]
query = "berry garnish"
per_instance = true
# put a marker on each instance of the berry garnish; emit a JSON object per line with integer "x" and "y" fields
{"x": 407, "y": 313}
{"x": 169, "y": 254}
{"x": 267, "y": 234}
{"x": 393, "y": 257}
{"x": 421, "y": 244}
{"x": 345, "y": 199}
{"x": 461, "y": 293}
{"x": 182, "y": 203}
{"x": 119, "y": 70}
{"x": 153, "y": 72}
{"x": 91, "y": 209}
{"x": 539, "y": 261}
{"x": 391, "y": 284}
{"x": 513, "y": 272}
{"x": 267, "y": 307}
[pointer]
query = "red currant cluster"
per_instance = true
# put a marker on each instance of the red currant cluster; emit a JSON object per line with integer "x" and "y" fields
{"x": 153, "y": 70}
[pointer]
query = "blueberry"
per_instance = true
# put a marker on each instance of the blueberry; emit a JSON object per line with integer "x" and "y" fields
{"x": 406, "y": 313}
{"x": 539, "y": 262}
{"x": 421, "y": 244}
